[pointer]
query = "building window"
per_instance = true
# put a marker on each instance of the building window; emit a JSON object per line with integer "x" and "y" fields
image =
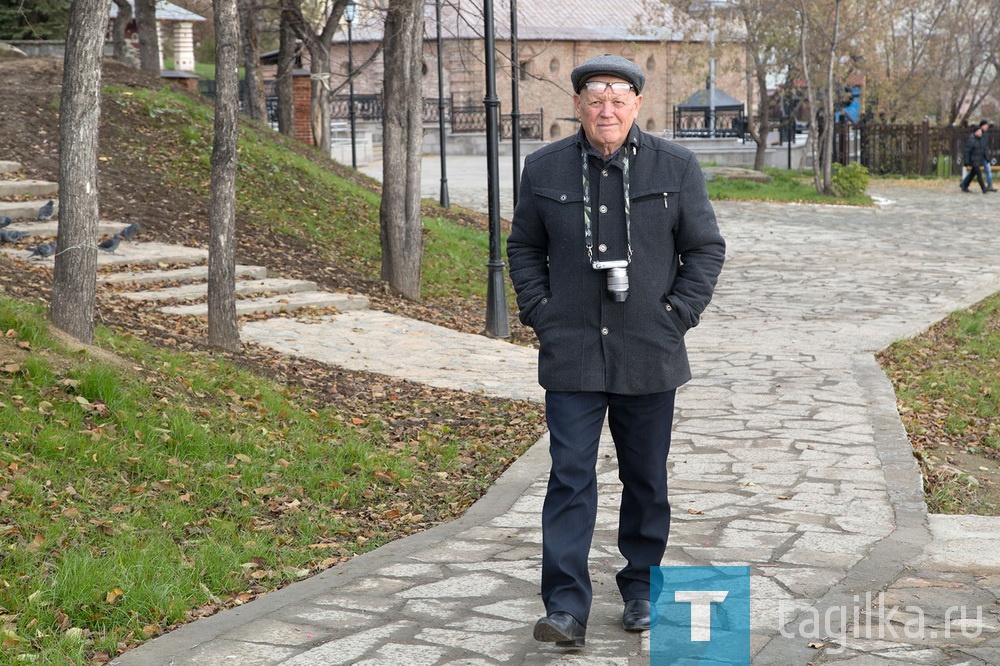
{"x": 554, "y": 131}
{"x": 423, "y": 69}
{"x": 524, "y": 70}
{"x": 554, "y": 65}
{"x": 650, "y": 64}
{"x": 650, "y": 125}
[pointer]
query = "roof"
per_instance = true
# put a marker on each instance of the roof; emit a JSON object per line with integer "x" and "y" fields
{"x": 699, "y": 100}
{"x": 550, "y": 20}
{"x": 165, "y": 11}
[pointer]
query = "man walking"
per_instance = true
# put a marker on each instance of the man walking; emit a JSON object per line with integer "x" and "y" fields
{"x": 987, "y": 155}
{"x": 614, "y": 254}
{"x": 973, "y": 157}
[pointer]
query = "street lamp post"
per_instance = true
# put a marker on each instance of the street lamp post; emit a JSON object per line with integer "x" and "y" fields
{"x": 445, "y": 203}
{"x": 711, "y": 72}
{"x": 351, "y": 13}
{"x": 497, "y": 324}
{"x": 515, "y": 111}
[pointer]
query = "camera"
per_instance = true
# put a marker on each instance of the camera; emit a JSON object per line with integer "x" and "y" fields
{"x": 617, "y": 278}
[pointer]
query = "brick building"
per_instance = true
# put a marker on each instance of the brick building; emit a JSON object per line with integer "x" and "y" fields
{"x": 553, "y": 36}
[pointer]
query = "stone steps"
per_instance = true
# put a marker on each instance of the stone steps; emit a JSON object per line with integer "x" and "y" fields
{"x": 285, "y": 303}
{"x": 24, "y": 210}
{"x": 146, "y": 254}
{"x": 29, "y": 188}
{"x": 186, "y": 274}
{"x": 262, "y": 294}
{"x": 243, "y": 288}
{"x": 50, "y": 228}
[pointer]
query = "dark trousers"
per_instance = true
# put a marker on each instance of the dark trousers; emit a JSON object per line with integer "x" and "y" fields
{"x": 974, "y": 171}
{"x": 640, "y": 426}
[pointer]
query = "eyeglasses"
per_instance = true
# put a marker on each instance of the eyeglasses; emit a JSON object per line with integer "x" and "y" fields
{"x": 598, "y": 87}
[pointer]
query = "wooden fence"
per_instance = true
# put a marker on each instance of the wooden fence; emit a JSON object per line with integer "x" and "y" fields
{"x": 906, "y": 149}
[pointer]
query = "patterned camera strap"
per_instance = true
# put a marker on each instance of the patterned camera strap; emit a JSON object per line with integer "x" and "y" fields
{"x": 588, "y": 229}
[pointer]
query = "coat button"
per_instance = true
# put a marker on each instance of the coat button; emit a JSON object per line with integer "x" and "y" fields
{"x": 544, "y": 301}
{"x": 604, "y": 173}
{"x": 603, "y": 209}
{"x": 602, "y": 247}
{"x": 668, "y": 308}
{"x": 562, "y": 197}
{"x": 604, "y": 331}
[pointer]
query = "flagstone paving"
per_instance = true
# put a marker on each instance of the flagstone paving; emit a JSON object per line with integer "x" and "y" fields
{"x": 789, "y": 456}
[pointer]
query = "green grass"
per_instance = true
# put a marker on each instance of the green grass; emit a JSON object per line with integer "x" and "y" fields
{"x": 274, "y": 183}
{"x": 785, "y": 186}
{"x": 948, "y": 386}
{"x": 132, "y": 495}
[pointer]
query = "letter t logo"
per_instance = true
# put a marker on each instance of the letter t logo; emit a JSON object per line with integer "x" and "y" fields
{"x": 701, "y": 610}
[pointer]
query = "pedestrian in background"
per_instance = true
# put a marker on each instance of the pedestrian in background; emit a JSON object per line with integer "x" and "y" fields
{"x": 972, "y": 157}
{"x": 614, "y": 254}
{"x": 987, "y": 155}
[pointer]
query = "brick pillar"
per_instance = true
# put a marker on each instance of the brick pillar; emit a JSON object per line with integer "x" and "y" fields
{"x": 302, "y": 96}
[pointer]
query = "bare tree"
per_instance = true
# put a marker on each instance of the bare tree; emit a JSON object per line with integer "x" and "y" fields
{"x": 118, "y": 31}
{"x": 74, "y": 282}
{"x": 770, "y": 49}
{"x": 931, "y": 58}
{"x": 401, "y": 227}
{"x": 223, "y": 331}
{"x": 254, "y": 79}
{"x": 149, "y": 39}
{"x": 319, "y": 51}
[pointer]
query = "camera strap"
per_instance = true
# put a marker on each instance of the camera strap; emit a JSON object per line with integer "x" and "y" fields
{"x": 588, "y": 230}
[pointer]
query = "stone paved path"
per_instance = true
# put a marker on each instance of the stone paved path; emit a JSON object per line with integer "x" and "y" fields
{"x": 789, "y": 456}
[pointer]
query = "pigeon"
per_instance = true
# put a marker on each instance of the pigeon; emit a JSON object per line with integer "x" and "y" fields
{"x": 130, "y": 232}
{"x": 44, "y": 250}
{"x": 5, "y": 220}
{"x": 110, "y": 244}
{"x": 11, "y": 235}
{"x": 46, "y": 211}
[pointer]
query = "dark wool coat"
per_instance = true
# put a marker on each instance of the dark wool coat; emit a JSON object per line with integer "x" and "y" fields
{"x": 587, "y": 341}
{"x": 974, "y": 151}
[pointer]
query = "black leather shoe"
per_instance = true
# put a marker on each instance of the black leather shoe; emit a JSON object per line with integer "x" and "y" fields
{"x": 562, "y": 629}
{"x": 636, "y": 615}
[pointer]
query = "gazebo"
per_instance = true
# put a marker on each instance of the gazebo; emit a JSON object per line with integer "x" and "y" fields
{"x": 692, "y": 118}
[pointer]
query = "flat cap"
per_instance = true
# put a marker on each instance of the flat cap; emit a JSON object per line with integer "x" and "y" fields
{"x": 614, "y": 65}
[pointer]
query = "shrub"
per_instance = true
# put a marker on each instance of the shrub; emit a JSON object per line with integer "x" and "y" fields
{"x": 850, "y": 180}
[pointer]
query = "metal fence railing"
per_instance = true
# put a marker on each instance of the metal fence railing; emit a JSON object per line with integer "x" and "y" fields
{"x": 905, "y": 149}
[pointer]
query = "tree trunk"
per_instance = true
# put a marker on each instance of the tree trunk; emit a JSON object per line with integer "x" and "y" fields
{"x": 285, "y": 75}
{"x": 320, "y": 111}
{"x": 401, "y": 227}
{"x": 829, "y": 127}
{"x": 74, "y": 281}
{"x": 223, "y": 331}
{"x": 149, "y": 40}
{"x": 254, "y": 79}
{"x": 118, "y": 31}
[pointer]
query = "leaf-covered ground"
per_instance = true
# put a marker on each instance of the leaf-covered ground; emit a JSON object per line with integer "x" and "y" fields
{"x": 947, "y": 385}
{"x": 139, "y": 182}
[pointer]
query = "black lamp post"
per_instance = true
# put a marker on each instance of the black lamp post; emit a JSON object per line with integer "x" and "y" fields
{"x": 515, "y": 111}
{"x": 351, "y": 13}
{"x": 497, "y": 324}
{"x": 441, "y": 107}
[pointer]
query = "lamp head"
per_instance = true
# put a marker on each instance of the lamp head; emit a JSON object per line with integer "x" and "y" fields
{"x": 351, "y": 11}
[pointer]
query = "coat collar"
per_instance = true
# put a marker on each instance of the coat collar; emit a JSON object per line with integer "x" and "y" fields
{"x": 632, "y": 143}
